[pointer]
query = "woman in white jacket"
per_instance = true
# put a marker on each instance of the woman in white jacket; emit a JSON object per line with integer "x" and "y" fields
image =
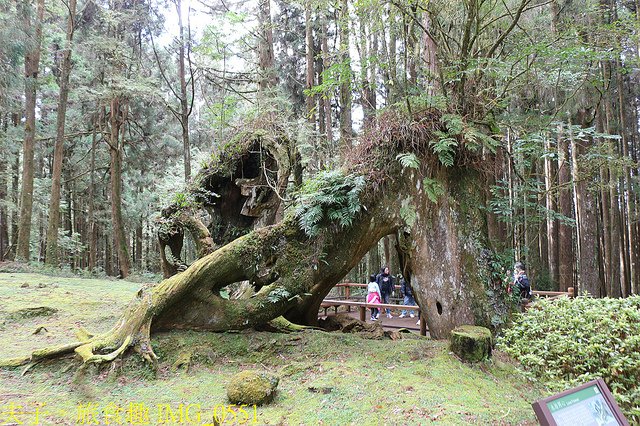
{"x": 373, "y": 296}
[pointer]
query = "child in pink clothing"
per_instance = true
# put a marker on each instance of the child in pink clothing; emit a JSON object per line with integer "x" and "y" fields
{"x": 373, "y": 296}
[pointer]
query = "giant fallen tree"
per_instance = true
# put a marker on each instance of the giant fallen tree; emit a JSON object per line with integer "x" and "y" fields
{"x": 418, "y": 175}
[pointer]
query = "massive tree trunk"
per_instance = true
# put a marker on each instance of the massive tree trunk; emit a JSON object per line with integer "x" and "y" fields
{"x": 292, "y": 265}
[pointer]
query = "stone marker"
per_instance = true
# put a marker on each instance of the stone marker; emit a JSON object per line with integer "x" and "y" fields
{"x": 471, "y": 343}
{"x": 251, "y": 387}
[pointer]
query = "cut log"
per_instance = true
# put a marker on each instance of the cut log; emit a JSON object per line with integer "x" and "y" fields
{"x": 471, "y": 343}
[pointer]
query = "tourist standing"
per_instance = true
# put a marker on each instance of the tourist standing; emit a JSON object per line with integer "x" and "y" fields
{"x": 386, "y": 284}
{"x": 373, "y": 296}
{"x": 405, "y": 290}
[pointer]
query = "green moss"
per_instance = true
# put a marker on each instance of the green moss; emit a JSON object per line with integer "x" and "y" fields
{"x": 471, "y": 343}
{"x": 38, "y": 311}
{"x": 427, "y": 383}
{"x": 252, "y": 387}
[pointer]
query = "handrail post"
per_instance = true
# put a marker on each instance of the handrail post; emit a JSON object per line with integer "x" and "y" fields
{"x": 570, "y": 290}
{"x": 347, "y": 294}
{"x": 363, "y": 315}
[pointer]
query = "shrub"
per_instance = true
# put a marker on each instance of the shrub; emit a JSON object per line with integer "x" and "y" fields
{"x": 566, "y": 342}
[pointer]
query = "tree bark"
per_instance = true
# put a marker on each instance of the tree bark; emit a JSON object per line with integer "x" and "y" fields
{"x": 266, "y": 59}
{"x": 51, "y": 256}
{"x": 31, "y": 67}
{"x": 4, "y": 192}
{"x": 552, "y": 223}
{"x": 93, "y": 231}
{"x": 430, "y": 57}
{"x": 326, "y": 99}
{"x": 310, "y": 72}
{"x": 346, "y": 122}
{"x": 565, "y": 230}
{"x": 115, "y": 167}
{"x": 185, "y": 110}
{"x": 373, "y": 262}
{"x": 15, "y": 173}
{"x": 589, "y": 270}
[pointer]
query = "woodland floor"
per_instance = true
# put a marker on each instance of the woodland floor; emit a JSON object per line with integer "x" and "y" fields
{"x": 325, "y": 378}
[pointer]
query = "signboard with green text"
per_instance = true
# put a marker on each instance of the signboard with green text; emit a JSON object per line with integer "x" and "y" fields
{"x": 591, "y": 404}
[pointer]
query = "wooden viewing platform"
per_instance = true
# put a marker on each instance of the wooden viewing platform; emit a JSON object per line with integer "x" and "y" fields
{"x": 363, "y": 306}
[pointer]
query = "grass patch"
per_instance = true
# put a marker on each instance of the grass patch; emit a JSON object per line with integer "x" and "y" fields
{"x": 325, "y": 378}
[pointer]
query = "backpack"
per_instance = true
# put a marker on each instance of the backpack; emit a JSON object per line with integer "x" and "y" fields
{"x": 524, "y": 286}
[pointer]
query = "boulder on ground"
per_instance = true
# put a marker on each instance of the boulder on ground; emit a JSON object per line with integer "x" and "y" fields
{"x": 471, "y": 343}
{"x": 251, "y": 387}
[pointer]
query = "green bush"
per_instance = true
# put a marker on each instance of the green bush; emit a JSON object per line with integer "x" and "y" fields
{"x": 566, "y": 342}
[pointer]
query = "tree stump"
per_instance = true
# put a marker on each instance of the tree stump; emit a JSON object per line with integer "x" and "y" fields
{"x": 251, "y": 387}
{"x": 471, "y": 343}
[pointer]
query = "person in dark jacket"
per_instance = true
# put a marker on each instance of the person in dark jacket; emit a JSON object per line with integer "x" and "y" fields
{"x": 521, "y": 286}
{"x": 407, "y": 294}
{"x": 386, "y": 284}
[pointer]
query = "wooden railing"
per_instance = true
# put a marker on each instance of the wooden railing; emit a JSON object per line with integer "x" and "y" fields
{"x": 554, "y": 294}
{"x": 362, "y": 306}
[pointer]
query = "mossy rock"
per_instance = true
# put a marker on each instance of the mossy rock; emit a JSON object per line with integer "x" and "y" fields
{"x": 25, "y": 313}
{"x": 471, "y": 343}
{"x": 251, "y": 387}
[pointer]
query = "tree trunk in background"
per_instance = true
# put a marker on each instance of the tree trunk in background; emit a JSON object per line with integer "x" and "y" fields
{"x": 606, "y": 236}
{"x": 552, "y": 223}
{"x": 430, "y": 57}
{"x": 585, "y": 204}
{"x": 93, "y": 232}
{"x": 138, "y": 246}
{"x": 15, "y": 219}
{"x": 617, "y": 255}
{"x": 374, "y": 263}
{"x": 4, "y": 196}
{"x": 115, "y": 155}
{"x": 394, "y": 255}
{"x": 31, "y": 66}
{"x": 392, "y": 88}
{"x": 346, "y": 124}
{"x": 327, "y": 97}
{"x": 628, "y": 201}
{"x": 51, "y": 256}
{"x": 108, "y": 258}
{"x": 614, "y": 262}
{"x": 310, "y": 100}
{"x": 4, "y": 214}
{"x": 565, "y": 231}
{"x": 266, "y": 59}
{"x": 184, "y": 102}
{"x": 387, "y": 250}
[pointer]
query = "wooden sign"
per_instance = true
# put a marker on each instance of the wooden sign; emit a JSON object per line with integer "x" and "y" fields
{"x": 591, "y": 404}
